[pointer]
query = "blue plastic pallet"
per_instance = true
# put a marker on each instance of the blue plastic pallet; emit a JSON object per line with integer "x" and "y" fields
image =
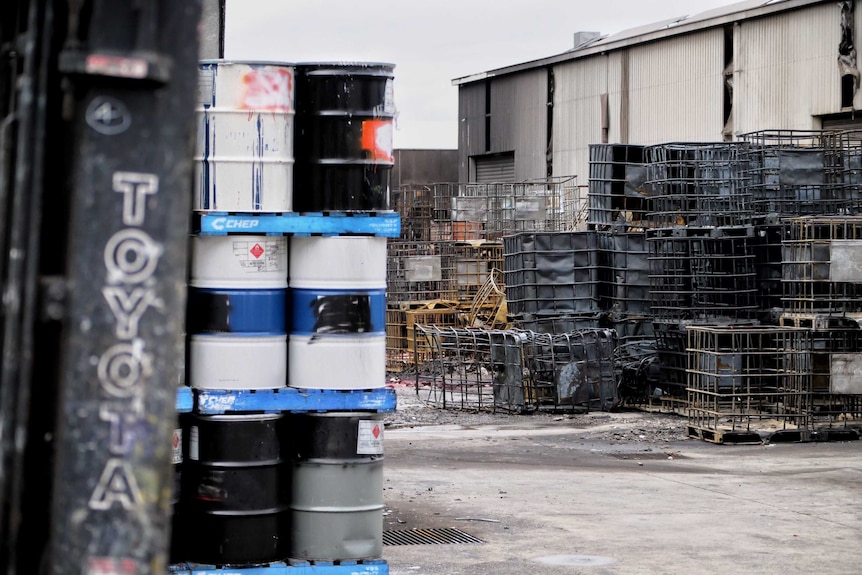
{"x": 185, "y": 400}
{"x": 377, "y": 567}
{"x": 383, "y": 224}
{"x": 216, "y": 402}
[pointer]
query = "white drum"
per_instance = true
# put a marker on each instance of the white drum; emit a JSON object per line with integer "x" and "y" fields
{"x": 244, "y": 154}
{"x": 237, "y": 362}
{"x": 337, "y": 262}
{"x": 239, "y": 262}
{"x": 348, "y": 362}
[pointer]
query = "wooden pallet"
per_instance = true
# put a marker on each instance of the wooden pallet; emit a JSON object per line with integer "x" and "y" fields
{"x": 724, "y": 436}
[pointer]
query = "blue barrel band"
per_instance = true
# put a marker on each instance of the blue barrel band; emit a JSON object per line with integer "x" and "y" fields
{"x": 237, "y": 311}
{"x": 337, "y": 312}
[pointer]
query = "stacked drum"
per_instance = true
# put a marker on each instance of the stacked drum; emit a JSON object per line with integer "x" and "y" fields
{"x": 337, "y": 335}
{"x": 286, "y": 313}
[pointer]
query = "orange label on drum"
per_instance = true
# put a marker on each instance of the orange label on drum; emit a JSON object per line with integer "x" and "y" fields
{"x": 377, "y": 140}
{"x": 268, "y": 90}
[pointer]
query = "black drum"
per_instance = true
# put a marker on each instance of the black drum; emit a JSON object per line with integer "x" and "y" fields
{"x": 344, "y": 137}
{"x": 235, "y": 490}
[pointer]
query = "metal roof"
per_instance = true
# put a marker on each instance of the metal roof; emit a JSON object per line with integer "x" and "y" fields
{"x": 673, "y": 26}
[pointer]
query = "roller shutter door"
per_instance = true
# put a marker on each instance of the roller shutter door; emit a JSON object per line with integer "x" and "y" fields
{"x": 496, "y": 168}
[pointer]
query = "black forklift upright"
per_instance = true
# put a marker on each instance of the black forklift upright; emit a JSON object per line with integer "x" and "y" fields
{"x": 130, "y": 69}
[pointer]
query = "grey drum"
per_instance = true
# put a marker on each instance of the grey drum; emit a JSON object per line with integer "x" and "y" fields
{"x": 336, "y": 501}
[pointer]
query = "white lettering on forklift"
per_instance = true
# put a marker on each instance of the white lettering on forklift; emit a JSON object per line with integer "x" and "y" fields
{"x": 135, "y": 188}
{"x": 131, "y": 257}
{"x": 116, "y": 485}
{"x": 128, "y": 307}
{"x": 118, "y": 420}
{"x": 122, "y": 367}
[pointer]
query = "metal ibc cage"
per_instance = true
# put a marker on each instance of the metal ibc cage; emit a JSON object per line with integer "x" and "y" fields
{"x": 747, "y": 380}
{"x": 414, "y": 272}
{"x": 616, "y": 193}
{"x": 572, "y": 369}
{"x": 702, "y": 274}
{"x": 698, "y": 185}
{"x": 469, "y": 265}
{"x": 470, "y": 369}
{"x": 552, "y": 273}
{"x": 624, "y": 259}
{"x": 494, "y": 210}
{"x": 822, "y": 266}
{"x": 804, "y": 172}
{"x": 516, "y": 370}
{"x": 425, "y": 212}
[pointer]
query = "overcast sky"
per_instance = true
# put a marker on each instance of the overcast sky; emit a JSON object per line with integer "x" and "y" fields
{"x": 431, "y": 43}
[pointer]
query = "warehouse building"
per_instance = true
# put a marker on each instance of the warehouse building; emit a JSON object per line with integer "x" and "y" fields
{"x": 750, "y": 66}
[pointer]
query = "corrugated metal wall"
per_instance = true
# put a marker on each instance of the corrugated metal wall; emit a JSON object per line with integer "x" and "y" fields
{"x": 471, "y": 126}
{"x": 519, "y": 115}
{"x": 578, "y": 114}
{"x": 676, "y": 89}
{"x": 786, "y": 69}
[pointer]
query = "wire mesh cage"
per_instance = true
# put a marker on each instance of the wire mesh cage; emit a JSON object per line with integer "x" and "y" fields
{"x": 768, "y": 251}
{"x": 616, "y": 196}
{"x": 752, "y": 379}
{"x": 516, "y": 371}
{"x": 805, "y": 172}
{"x": 702, "y": 274}
{"x": 575, "y": 368}
{"x": 822, "y": 266}
{"x": 698, "y": 184}
{"x": 470, "y": 369}
{"x": 415, "y": 272}
{"x": 624, "y": 261}
{"x": 505, "y": 208}
{"x": 556, "y": 272}
{"x": 425, "y": 212}
{"x": 468, "y": 265}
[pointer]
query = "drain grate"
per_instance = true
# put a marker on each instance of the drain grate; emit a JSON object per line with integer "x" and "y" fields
{"x": 436, "y": 536}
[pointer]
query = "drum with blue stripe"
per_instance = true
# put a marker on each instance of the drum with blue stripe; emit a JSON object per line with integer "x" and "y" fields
{"x": 337, "y": 339}
{"x": 237, "y": 313}
{"x": 337, "y": 313}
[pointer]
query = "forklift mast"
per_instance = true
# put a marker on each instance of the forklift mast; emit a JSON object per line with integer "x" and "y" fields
{"x": 96, "y": 142}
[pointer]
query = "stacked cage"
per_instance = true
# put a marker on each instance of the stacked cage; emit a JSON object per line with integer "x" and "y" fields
{"x": 555, "y": 293}
{"x": 446, "y": 269}
{"x": 822, "y": 279}
{"x": 796, "y": 173}
{"x": 287, "y": 311}
{"x": 807, "y": 194}
{"x": 553, "y": 275}
{"x": 702, "y": 268}
{"x": 618, "y": 208}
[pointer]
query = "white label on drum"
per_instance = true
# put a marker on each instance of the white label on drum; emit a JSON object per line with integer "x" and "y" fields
{"x": 260, "y": 256}
{"x": 389, "y": 97}
{"x": 370, "y": 438}
{"x": 194, "y": 438}
{"x": 177, "y": 447}
{"x": 206, "y": 88}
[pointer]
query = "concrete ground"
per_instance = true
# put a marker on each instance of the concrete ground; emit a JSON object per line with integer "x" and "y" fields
{"x": 551, "y": 496}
